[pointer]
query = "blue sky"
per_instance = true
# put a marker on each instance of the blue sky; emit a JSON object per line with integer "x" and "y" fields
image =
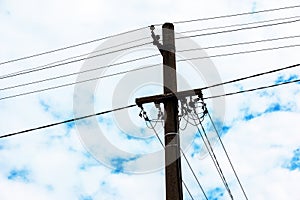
{"x": 259, "y": 129}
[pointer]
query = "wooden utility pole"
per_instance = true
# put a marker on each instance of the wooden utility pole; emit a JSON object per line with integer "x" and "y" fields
{"x": 172, "y": 141}
{"x": 173, "y": 174}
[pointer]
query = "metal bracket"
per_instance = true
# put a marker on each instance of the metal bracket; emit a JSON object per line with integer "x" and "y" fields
{"x": 156, "y": 40}
{"x": 165, "y": 97}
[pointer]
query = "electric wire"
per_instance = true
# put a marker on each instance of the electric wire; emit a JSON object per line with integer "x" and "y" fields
{"x": 84, "y": 71}
{"x": 240, "y": 52}
{"x": 190, "y": 167}
{"x": 240, "y": 24}
{"x": 213, "y": 157}
{"x": 70, "y": 58}
{"x": 211, "y": 28}
{"x": 69, "y": 62}
{"x": 107, "y": 37}
{"x": 238, "y": 29}
{"x": 47, "y": 66}
{"x": 252, "y": 76}
{"x": 71, "y": 120}
{"x": 76, "y": 73}
{"x": 253, "y": 89}
{"x": 240, "y": 43}
{"x": 215, "y": 162}
{"x": 185, "y": 126}
{"x": 87, "y": 116}
{"x": 78, "y": 82}
{"x": 100, "y": 113}
{"x": 64, "y": 122}
{"x": 187, "y": 161}
{"x": 223, "y": 146}
{"x": 187, "y": 189}
{"x": 71, "y": 46}
{"x": 237, "y": 14}
{"x": 195, "y": 58}
{"x": 157, "y": 136}
{"x": 176, "y": 22}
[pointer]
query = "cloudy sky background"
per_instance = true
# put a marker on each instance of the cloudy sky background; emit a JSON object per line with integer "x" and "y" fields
{"x": 259, "y": 129}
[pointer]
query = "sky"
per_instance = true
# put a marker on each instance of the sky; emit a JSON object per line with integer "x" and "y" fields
{"x": 116, "y": 156}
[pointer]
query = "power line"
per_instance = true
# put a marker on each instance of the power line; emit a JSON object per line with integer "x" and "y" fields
{"x": 64, "y": 122}
{"x": 240, "y": 52}
{"x": 252, "y": 89}
{"x": 240, "y": 24}
{"x": 79, "y": 82}
{"x": 155, "y": 132}
{"x": 107, "y": 37}
{"x": 69, "y": 62}
{"x": 87, "y": 116}
{"x": 47, "y": 66}
{"x": 187, "y": 161}
{"x": 141, "y": 58}
{"x": 212, "y": 154}
{"x": 219, "y": 55}
{"x": 71, "y": 46}
{"x": 235, "y": 15}
{"x": 252, "y": 76}
{"x": 215, "y": 128}
{"x": 210, "y": 28}
{"x": 75, "y": 73}
{"x": 238, "y": 29}
{"x": 176, "y": 22}
{"x": 71, "y": 120}
{"x": 50, "y": 65}
{"x": 160, "y": 141}
{"x": 240, "y": 43}
{"x": 84, "y": 71}
{"x": 232, "y": 81}
{"x": 187, "y": 189}
{"x": 190, "y": 167}
{"x": 73, "y": 57}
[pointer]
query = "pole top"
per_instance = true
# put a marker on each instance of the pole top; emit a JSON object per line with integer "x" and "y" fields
{"x": 168, "y": 25}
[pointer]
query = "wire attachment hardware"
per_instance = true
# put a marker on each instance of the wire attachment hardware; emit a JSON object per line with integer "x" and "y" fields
{"x": 143, "y": 114}
{"x": 160, "y": 114}
{"x": 156, "y": 39}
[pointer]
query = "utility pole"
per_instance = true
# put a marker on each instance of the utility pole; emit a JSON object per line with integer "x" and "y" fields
{"x": 190, "y": 100}
{"x": 172, "y": 141}
{"x": 173, "y": 176}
